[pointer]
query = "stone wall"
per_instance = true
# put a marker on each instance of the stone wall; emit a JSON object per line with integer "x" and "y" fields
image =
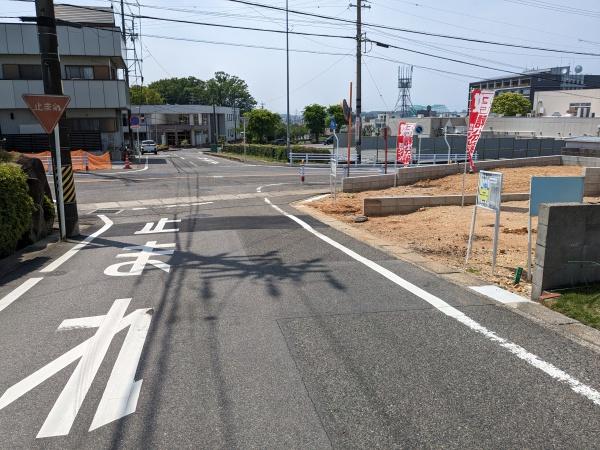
{"x": 567, "y": 253}
{"x": 591, "y": 186}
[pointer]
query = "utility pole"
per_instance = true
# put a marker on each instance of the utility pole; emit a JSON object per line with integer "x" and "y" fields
{"x": 287, "y": 56}
{"x": 51, "y": 76}
{"x": 359, "y": 40}
{"x": 124, "y": 37}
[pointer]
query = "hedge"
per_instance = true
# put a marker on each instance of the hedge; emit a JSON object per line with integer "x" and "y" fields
{"x": 276, "y": 152}
{"x": 16, "y": 207}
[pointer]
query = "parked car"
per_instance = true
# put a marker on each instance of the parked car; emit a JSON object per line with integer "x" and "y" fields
{"x": 149, "y": 147}
{"x": 279, "y": 141}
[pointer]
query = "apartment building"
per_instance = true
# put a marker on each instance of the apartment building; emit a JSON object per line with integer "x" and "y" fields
{"x": 92, "y": 67}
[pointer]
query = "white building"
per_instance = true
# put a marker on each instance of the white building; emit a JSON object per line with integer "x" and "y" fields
{"x": 199, "y": 125}
{"x": 570, "y": 103}
{"x": 92, "y": 67}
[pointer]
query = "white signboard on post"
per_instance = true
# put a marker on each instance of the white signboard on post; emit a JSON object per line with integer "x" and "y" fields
{"x": 489, "y": 196}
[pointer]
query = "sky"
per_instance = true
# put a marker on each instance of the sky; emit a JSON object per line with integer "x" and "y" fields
{"x": 323, "y": 68}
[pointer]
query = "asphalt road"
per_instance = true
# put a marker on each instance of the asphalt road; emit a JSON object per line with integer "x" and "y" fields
{"x": 249, "y": 325}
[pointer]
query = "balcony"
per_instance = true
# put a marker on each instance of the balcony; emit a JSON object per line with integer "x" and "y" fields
{"x": 85, "y": 94}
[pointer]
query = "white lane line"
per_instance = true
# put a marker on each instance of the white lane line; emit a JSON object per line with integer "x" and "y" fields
{"x": 17, "y": 292}
{"x": 69, "y": 254}
{"x": 532, "y": 359}
{"x": 126, "y": 171}
{"x": 260, "y": 188}
{"x": 217, "y": 176}
{"x": 138, "y": 209}
{"x": 314, "y": 199}
{"x": 201, "y": 203}
{"x": 500, "y": 295}
{"x": 193, "y": 164}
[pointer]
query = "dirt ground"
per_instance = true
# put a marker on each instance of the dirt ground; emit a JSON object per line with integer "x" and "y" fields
{"x": 442, "y": 233}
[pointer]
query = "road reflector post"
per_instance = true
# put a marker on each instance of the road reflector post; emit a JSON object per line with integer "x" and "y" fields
{"x": 302, "y": 173}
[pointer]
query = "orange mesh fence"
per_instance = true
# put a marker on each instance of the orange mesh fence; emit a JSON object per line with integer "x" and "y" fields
{"x": 80, "y": 160}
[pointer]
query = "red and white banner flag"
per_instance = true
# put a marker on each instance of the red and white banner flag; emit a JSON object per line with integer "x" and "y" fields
{"x": 479, "y": 110}
{"x": 404, "y": 142}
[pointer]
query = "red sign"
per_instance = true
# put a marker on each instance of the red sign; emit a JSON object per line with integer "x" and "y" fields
{"x": 479, "y": 110}
{"x": 47, "y": 109}
{"x": 404, "y": 142}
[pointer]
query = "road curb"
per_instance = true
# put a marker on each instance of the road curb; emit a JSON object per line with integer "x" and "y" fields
{"x": 536, "y": 312}
{"x": 12, "y": 262}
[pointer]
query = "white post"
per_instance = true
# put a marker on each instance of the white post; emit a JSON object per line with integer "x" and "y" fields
{"x": 60, "y": 200}
{"x": 471, "y": 234}
{"x": 419, "y": 151}
{"x": 462, "y": 199}
{"x": 495, "y": 251}
{"x": 244, "y": 122}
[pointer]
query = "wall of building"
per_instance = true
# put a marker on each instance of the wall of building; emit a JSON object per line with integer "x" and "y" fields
{"x": 568, "y": 245}
{"x": 550, "y": 102}
{"x": 551, "y": 127}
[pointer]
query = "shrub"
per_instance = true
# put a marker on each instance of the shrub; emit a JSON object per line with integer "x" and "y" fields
{"x": 16, "y": 207}
{"x": 49, "y": 210}
{"x": 275, "y": 152}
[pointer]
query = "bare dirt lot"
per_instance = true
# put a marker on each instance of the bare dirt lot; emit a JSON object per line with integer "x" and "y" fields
{"x": 441, "y": 233}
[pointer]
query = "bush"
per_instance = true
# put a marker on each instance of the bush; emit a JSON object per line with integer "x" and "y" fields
{"x": 49, "y": 210}
{"x": 16, "y": 207}
{"x": 275, "y": 152}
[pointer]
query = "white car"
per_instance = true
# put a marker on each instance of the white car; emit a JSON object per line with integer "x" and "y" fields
{"x": 149, "y": 147}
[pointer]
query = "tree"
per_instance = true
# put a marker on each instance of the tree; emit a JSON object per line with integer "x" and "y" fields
{"x": 297, "y": 132}
{"x": 182, "y": 91}
{"x": 262, "y": 125}
{"x": 511, "y": 104}
{"x": 143, "y": 95}
{"x": 314, "y": 118}
{"x": 337, "y": 113}
{"x": 228, "y": 90}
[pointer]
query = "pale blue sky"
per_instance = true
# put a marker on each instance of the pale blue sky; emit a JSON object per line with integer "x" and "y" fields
{"x": 324, "y": 78}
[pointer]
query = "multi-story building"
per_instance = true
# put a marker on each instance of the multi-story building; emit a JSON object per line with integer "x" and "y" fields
{"x": 198, "y": 125}
{"x": 92, "y": 67}
{"x": 530, "y": 82}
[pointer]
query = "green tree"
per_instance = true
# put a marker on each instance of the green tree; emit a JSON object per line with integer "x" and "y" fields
{"x": 511, "y": 104}
{"x": 297, "y": 132}
{"x": 314, "y": 118}
{"x": 262, "y": 125}
{"x": 143, "y": 95}
{"x": 337, "y": 113}
{"x": 228, "y": 90}
{"x": 182, "y": 91}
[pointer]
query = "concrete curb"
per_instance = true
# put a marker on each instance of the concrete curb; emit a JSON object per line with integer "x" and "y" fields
{"x": 536, "y": 312}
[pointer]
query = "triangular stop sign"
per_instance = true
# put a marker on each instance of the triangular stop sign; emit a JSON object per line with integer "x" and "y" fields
{"x": 47, "y": 109}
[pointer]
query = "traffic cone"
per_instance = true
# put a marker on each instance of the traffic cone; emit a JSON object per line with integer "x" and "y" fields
{"x": 127, "y": 165}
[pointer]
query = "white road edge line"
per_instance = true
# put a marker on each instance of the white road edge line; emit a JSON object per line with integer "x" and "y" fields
{"x": 126, "y": 171}
{"x": 314, "y": 199}
{"x": 6, "y": 301}
{"x": 69, "y": 254}
{"x": 532, "y": 359}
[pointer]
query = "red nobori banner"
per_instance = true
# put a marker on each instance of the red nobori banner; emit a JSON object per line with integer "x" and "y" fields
{"x": 405, "y": 142}
{"x": 479, "y": 110}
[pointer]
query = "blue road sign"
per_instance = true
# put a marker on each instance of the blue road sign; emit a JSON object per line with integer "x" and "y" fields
{"x": 332, "y": 124}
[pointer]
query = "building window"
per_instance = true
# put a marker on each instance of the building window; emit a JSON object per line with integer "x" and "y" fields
{"x": 102, "y": 73}
{"x": 21, "y": 72}
{"x": 79, "y": 72}
{"x": 184, "y": 119}
{"x": 196, "y": 119}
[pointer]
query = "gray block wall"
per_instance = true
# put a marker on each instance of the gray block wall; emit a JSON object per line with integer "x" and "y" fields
{"x": 567, "y": 252}
{"x": 591, "y": 186}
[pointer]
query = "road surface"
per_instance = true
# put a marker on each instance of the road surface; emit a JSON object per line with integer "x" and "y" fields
{"x": 242, "y": 323}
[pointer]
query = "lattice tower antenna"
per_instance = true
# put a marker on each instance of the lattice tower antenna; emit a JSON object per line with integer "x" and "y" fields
{"x": 404, "y": 106}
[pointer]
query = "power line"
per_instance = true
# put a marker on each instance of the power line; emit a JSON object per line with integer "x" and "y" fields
{"x": 424, "y": 33}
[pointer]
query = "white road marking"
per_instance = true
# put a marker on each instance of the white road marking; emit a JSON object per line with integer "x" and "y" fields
{"x": 16, "y": 391}
{"x": 81, "y": 322}
{"x": 260, "y": 188}
{"x": 193, "y": 164}
{"x": 125, "y": 171}
{"x": 69, "y": 254}
{"x": 122, "y": 391}
{"x": 17, "y": 292}
{"x": 64, "y": 411}
{"x": 210, "y": 161}
{"x": 138, "y": 209}
{"x": 501, "y": 295}
{"x": 217, "y": 176}
{"x": 532, "y": 359}
{"x": 142, "y": 258}
{"x": 159, "y": 228}
{"x": 198, "y": 204}
{"x": 314, "y": 199}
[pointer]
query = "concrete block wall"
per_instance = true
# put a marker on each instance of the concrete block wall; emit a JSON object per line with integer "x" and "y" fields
{"x": 568, "y": 245}
{"x": 386, "y": 206}
{"x": 410, "y": 175}
{"x": 580, "y": 161}
{"x": 591, "y": 186}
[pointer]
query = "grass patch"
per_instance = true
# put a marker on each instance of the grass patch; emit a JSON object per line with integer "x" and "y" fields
{"x": 582, "y": 304}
